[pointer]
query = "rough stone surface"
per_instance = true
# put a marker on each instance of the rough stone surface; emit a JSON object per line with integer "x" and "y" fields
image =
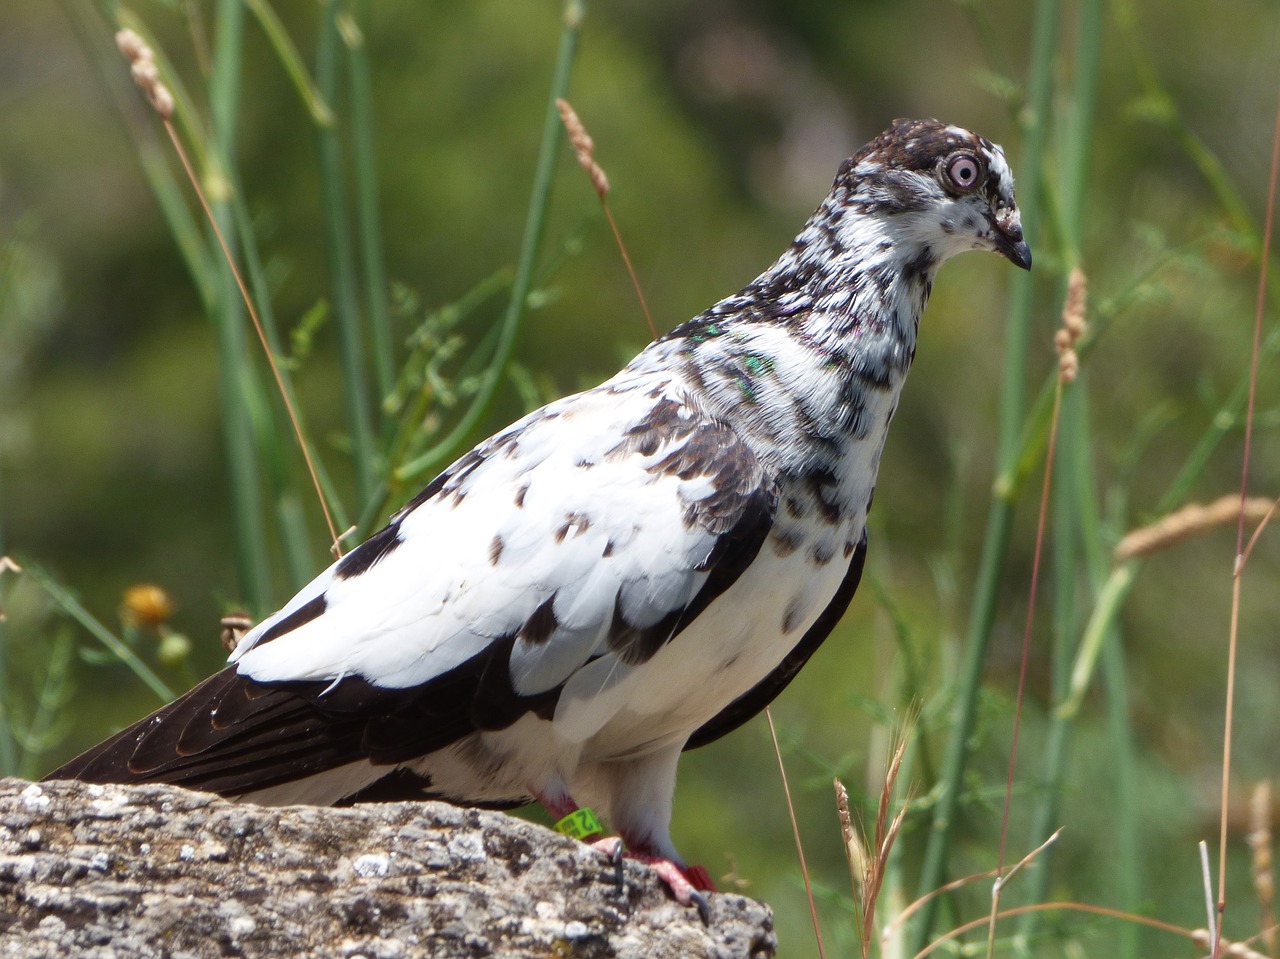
{"x": 114, "y": 872}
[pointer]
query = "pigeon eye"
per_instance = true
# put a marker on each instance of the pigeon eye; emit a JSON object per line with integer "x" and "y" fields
{"x": 964, "y": 171}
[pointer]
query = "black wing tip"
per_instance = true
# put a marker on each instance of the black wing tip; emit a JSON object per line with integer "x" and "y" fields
{"x": 107, "y": 762}
{"x": 161, "y": 746}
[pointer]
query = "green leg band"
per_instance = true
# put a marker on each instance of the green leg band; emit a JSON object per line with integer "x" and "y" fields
{"x": 580, "y": 824}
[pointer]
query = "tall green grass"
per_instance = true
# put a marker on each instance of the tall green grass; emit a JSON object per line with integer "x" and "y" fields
{"x": 389, "y": 440}
{"x": 1082, "y": 609}
{"x": 413, "y": 394}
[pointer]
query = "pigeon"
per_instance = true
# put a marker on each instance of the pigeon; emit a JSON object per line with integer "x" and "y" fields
{"x": 624, "y": 574}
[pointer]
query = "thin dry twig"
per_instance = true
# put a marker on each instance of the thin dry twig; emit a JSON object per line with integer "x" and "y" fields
{"x": 908, "y": 912}
{"x": 795, "y": 830}
{"x": 1194, "y": 519}
{"x": 1253, "y": 540}
{"x": 147, "y": 76}
{"x": 1206, "y": 879}
{"x": 1052, "y": 907}
{"x": 1073, "y": 328}
{"x": 1228, "y": 710}
{"x": 1003, "y": 879}
{"x": 585, "y": 147}
{"x": 1236, "y": 950}
{"x": 951, "y": 886}
{"x": 1029, "y": 857}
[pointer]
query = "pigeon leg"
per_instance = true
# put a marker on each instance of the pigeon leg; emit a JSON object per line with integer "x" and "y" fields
{"x": 563, "y": 808}
{"x": 686, "y": 883}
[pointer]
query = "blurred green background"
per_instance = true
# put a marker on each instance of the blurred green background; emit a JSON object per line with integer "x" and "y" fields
{"x": 720, "y": 125}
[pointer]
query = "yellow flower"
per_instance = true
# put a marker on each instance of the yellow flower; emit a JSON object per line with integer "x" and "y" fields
{"x": 146, "y": 605}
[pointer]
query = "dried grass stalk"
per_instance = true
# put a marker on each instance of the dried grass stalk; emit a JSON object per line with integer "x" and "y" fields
{"x": 1191, "y": 520}
{"x": 1261, "y": 846}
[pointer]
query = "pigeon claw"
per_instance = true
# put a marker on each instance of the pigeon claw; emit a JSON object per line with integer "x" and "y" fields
{"x": 616, "y": 852}
{"x": 687, "y": 883}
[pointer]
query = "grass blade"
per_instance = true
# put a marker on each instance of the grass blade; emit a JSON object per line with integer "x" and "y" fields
{"x": 289, "y": 58}
{"x": 1000, "y": 519}
{"x": 235, "y": 372}
{"x": 535, "y": 222}
{"x": 346, "y": 309}
{"x": 368, "y": 219}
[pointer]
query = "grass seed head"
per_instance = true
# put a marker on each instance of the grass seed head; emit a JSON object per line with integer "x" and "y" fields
{"x": 1192, "y": 520}
{"x": 584, "y": 147}
{"x": 142, "y": 65}
{"x": 1073, "y": 326}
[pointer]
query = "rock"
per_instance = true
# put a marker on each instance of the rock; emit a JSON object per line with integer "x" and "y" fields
{"x": 115, "y": 872}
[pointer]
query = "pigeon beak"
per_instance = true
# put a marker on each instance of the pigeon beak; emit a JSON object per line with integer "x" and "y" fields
{"x": 1008, "y": 238}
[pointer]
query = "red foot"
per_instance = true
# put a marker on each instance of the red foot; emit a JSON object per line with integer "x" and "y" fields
{"x": 687, "y": 883}
{"x": 699, "y": 878}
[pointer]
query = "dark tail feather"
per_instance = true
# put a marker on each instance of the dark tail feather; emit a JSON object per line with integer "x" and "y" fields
{"x": 228, "y": 735}
{"x": 233, "y": 735}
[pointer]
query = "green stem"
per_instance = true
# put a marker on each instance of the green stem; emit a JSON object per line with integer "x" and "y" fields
{"x": 341, "y": 260}
{"x": 1110, "y": 598}
{"x": 1076, "y": 527}
{"x": 1166, "y": 114}
{"x": 1113, "y": 591}
{"x": 1123, "y": 833}
{"x": 191, "y": 240}
{"x": 299, "y": 556}
{"x": 1075, "y": 522}
{"x": 364, "y": 156}
{"x": 234, "y": 368}
{"x": 51, "y": 701}
{"x": 1000, "y": 519}
{"x": 291, "y": 60}
{"x": 1223, "y": 422}
{"x": 1077, "y": 146}
{"x": 71, "y": 606}
{"x": 535, "y": 222}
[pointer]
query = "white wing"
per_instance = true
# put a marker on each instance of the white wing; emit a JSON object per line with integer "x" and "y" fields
{"x": 592, "y": 529}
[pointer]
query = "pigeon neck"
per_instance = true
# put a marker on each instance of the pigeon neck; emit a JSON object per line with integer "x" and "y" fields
{"x": 804, "y": 354}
